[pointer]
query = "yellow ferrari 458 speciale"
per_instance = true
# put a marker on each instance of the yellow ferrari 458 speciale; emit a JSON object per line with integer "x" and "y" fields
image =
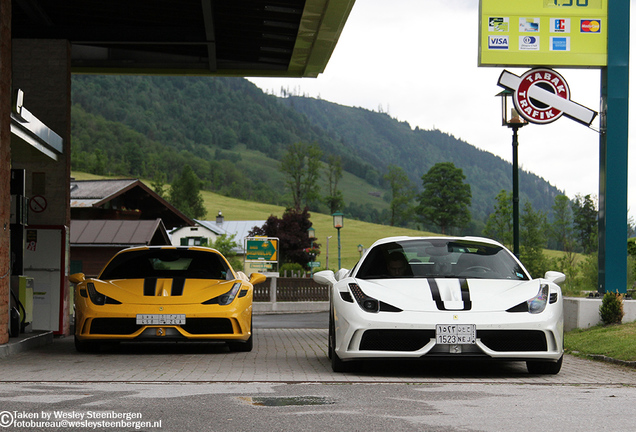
{"x": 165, "y": 293}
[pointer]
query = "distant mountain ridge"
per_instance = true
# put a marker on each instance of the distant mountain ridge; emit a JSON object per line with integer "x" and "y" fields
{"x": 233, "y": 134}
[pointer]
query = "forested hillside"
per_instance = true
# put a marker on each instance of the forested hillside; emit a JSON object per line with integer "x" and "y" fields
{"x": 233, "y": 135}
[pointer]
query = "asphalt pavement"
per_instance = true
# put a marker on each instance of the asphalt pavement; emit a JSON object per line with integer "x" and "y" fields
{"x": 286, "y": 384}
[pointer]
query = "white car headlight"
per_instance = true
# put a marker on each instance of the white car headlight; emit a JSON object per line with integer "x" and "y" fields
{"x": 537, "y": 304}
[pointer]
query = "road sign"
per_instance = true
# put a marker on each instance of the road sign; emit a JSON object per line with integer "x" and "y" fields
{"x": 542, "y": 95}
{"x": 314, "y": 263}
{"x": 261, "y": 249}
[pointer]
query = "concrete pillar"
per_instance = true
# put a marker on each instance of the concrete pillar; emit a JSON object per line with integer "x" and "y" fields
{"x": 5, "y": 164}
{"x": 42, "y": 70}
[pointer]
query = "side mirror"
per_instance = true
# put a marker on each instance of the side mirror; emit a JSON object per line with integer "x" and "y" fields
{"x": 77, "y": 278}
{"x": 256, "y": 278}
{"x": 341, "y": 274}
{"x": 555, "y": 277}
{"x": 325, "y": 277}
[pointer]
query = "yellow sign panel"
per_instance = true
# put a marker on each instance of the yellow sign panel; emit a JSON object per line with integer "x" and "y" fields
{"x": 554, "y": 33}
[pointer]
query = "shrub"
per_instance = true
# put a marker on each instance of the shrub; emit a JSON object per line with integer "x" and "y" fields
{"x": 611, "y": 309}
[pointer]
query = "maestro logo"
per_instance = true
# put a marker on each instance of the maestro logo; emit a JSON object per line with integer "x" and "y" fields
{"x": 590, "y": 26}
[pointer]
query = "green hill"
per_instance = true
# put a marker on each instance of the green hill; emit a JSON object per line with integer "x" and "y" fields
{"x": 233, "y": 135}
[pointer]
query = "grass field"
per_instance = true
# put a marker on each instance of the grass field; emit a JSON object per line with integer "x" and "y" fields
{"x": 615, "y": 341}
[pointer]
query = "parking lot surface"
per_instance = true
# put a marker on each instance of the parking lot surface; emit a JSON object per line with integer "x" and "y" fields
{"x": 280, "y": 354}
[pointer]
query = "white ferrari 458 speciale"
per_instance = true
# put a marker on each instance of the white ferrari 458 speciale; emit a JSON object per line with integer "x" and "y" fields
{"x": 444, "y": 297}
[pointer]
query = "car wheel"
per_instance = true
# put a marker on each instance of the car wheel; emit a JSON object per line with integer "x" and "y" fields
{"x": 544, "y": 367}
{"x": 86, "y": 346}
{"x": 241, "y": 346}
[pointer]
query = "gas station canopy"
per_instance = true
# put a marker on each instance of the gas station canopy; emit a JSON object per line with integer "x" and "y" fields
{"x": 278, "y": 38}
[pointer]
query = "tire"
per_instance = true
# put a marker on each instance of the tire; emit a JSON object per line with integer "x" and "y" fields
{"x": 237, "y": 346}
{"x": 544, "y": 367}
{"x": 86, "y": 346}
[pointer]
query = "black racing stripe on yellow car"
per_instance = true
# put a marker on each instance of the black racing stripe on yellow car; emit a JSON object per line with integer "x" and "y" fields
{"x": 150, "y": 286}
{"x": 463, "y": 284}
{"x": 177, "y": 286}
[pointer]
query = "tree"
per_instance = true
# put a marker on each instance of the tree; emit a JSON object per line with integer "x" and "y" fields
{"x": 445, "y": 200}
{"x": 301, "y": 165}
{"x": 533, "y": 240}
{"x": 499, "y": 224}
{"x": 334, "y": 199}
{"x": 402, "y": 195}
{"x": 562, "y": 231}
{"x": 227, "y": 245}
{"x": 158, "y": 183}
{"x": 185, "y": 194}
{"x": 585, "y": 222}
{"x": 291, "y": 230}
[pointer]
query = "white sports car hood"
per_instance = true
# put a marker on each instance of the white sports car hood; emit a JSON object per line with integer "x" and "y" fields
{"x": 424, "y": 295}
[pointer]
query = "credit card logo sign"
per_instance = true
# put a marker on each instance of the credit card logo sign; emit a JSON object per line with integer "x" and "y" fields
{"x": 498, "y": 24}
{"x": 529, "y": 43}
{"x": 559, "y": 43}
{"x": 560, "y": 25}
{"x": 498, "y": 42}
{"x": 590, "y": 26}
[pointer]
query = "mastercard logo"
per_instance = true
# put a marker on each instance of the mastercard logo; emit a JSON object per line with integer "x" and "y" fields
{"x": 590, "y": 26}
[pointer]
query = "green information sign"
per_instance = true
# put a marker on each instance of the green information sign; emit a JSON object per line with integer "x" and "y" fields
{"x": 263, "y": 249}
{"x": 549, "y": 33}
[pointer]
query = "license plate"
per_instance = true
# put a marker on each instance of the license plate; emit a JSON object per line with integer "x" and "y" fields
{"x": 452, "y": 334}
{"x": 161, "y": 319}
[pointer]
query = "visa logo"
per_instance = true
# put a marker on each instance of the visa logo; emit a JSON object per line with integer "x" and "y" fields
{"x": 498, "y": 42}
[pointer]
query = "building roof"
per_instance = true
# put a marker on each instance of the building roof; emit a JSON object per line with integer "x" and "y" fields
{"x": 123, "y": 233}
{"x": 239, "y": 228}
{"x": 282, "y": 38}
{"x": 122, "y": 195}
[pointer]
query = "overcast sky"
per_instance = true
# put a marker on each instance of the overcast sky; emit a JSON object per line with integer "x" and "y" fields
{"x": 417, "y": 60}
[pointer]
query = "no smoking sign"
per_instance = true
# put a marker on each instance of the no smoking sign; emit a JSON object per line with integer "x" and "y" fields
{"x": 541, "y": 96}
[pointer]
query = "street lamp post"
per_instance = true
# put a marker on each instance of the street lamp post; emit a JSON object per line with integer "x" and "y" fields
{"x": 311, "y": 233}
{"x": 360, "y": 249}
{"x": 514, "y": 122}
{"x": 338, "y": 222}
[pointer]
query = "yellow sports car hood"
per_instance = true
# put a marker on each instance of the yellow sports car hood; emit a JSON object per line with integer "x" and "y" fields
{"x": 165, "y": 290}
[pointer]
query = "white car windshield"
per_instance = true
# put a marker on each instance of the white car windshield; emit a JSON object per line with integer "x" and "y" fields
{"x": 439, "y": 258}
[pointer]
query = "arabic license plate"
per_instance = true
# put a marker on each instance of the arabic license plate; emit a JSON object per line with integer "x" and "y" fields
{"x": 452, "y": 334}
{"x": 161, "y": 319}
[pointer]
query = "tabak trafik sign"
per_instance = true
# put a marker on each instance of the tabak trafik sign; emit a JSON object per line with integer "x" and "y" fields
{"x": 541, "y": 95}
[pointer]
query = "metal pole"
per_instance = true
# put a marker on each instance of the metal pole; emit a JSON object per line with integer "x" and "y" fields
{"x": 515, "y": 191}
{"x": 327, "y": 254}
{"x": 613, "y": 208}
{"x": 312, "y": 259}
{"x": 339, "y": 261}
